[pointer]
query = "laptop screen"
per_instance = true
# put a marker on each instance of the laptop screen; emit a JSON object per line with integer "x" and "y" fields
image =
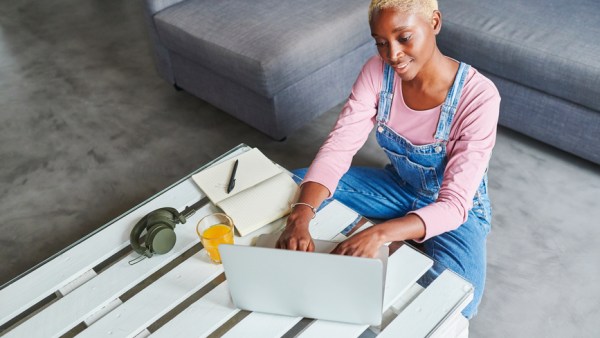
{"x": 307, "y": 284}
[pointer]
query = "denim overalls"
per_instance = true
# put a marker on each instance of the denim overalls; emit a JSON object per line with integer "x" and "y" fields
{"x": 412, "y": 180}
{"x": 420, "y": 170}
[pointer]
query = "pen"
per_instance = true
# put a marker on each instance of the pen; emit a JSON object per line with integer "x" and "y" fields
{"x": 232, "y": 177}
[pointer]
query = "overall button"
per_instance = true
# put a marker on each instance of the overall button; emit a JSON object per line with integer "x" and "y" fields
{"x": 380, "y": 129}
{"x": 438, "y": 149}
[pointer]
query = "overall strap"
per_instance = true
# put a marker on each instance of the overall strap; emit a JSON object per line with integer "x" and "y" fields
{"x": 449, "y": 107}
{"x": 386, "y": 95}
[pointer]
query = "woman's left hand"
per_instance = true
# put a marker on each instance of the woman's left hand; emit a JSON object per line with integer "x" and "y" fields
{"x": 367, "y": 242}
{"x": 363, "y": 244}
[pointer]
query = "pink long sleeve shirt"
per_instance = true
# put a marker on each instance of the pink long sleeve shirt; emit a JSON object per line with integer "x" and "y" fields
{"x": 472, "y": 137}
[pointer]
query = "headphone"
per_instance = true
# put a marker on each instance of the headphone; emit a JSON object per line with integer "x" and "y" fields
{"x": 160, "y": 231}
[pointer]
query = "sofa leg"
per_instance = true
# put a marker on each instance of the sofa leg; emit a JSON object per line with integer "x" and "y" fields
{"x": 282, "y": 139}
{"x": 177, "y": 88}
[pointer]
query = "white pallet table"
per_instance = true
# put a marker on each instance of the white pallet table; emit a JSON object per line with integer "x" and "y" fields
{"x": 188, "y": 297}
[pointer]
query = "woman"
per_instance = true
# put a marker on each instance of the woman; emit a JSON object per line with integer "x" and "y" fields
{"x": 436, "y": 120}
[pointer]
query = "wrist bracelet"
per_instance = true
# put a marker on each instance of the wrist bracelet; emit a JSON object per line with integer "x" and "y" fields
{"x": 305, "y": 204}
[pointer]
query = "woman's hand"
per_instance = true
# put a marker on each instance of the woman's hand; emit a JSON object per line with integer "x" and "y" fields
{"x": 363, "y": 244}
{"x": 367, "y": 242}
{"x": 296, "y": 235}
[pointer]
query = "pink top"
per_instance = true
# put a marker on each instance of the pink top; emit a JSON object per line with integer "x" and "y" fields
{"x": 472, "y": 137}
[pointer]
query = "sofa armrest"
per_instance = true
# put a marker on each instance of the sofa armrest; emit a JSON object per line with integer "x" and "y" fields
{"x": 161, "y": 54}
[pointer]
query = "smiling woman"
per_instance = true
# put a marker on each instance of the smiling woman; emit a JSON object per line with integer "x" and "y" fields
{"x": 436, "y": 120}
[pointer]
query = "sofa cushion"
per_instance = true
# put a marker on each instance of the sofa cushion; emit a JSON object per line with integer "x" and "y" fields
{"x": 552, "y": 46}
{"x": 265, "y": 45}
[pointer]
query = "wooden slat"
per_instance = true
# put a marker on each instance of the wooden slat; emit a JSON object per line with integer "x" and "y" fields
{"x": 449, "y": 327}
{"x": 433, "y": 305}
{"x": 55, "y": 274}
{"x": 136, "y": 314}
{"x": 325, "y": 328}
{"x": 391, "y": 314}
{"x": 404, "y": 268}
{"x": 330, "y": 220}
{"x": 262, "y": 325}
{"x": 462, "y": 328}
{"x": 84, "y": 301}
{"x": 202, "y": 317}
{"x": 452, "y": 327}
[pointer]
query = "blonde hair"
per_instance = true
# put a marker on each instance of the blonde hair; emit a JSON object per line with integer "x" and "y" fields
{"x": 423, "y": 7}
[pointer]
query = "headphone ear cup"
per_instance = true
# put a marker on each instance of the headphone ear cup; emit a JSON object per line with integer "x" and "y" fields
{"x": 160, "y": 238}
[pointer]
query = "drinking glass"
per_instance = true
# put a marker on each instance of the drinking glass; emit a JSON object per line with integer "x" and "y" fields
{"x": 213, "y": 230}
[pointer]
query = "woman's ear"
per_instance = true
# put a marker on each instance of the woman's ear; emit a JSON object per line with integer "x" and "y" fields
{"x": 436, "y": 21}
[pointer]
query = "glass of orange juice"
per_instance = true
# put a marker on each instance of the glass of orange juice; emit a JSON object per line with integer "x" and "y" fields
{"x": 215, "y": 229}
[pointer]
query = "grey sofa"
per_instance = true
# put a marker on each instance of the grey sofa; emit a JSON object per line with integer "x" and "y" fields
{"x": 277, "y": 64}
{"x": 544, "y": 57}
{"x": 273, "y": 64}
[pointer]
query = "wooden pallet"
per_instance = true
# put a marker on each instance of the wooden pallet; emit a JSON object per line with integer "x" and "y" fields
{"x": 91, "y": 290}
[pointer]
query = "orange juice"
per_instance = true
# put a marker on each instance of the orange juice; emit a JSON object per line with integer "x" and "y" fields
{"x": 215, "y": 235}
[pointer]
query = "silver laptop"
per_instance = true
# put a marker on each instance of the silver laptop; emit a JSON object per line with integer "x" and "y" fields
{"x": 305, "y": 284}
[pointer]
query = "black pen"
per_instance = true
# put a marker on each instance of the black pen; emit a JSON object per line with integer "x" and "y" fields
{"x": 232, "y": 177}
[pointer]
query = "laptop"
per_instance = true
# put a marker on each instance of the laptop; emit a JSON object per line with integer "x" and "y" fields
{"x": 315, "y": 285}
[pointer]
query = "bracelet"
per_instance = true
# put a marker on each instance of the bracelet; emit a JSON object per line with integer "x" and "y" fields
{"x": 305, "y": 204}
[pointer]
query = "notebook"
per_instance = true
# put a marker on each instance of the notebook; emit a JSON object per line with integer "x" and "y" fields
{"x": 306, "y": 284}
{"x": 262, "y": 193}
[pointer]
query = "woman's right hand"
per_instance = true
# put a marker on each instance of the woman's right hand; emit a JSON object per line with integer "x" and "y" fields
{"x": 296, "y": 236}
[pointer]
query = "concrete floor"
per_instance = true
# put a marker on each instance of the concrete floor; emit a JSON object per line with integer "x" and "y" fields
{"x": 88, "y": 130}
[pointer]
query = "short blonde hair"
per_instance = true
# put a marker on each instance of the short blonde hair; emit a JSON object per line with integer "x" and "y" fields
{"x": 423, "y": 7}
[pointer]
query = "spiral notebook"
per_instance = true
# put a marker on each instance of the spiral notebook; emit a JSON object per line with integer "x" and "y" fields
{"x": 262, "y": 194}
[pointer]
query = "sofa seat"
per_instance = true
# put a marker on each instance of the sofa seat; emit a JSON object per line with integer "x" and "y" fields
{"x": 544, "y": 59}
{"x": 265, "y": 45}
{"x": 273, "y": 64}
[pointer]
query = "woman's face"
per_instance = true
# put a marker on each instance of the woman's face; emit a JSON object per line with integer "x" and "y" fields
{"x": 404, "y": 40}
